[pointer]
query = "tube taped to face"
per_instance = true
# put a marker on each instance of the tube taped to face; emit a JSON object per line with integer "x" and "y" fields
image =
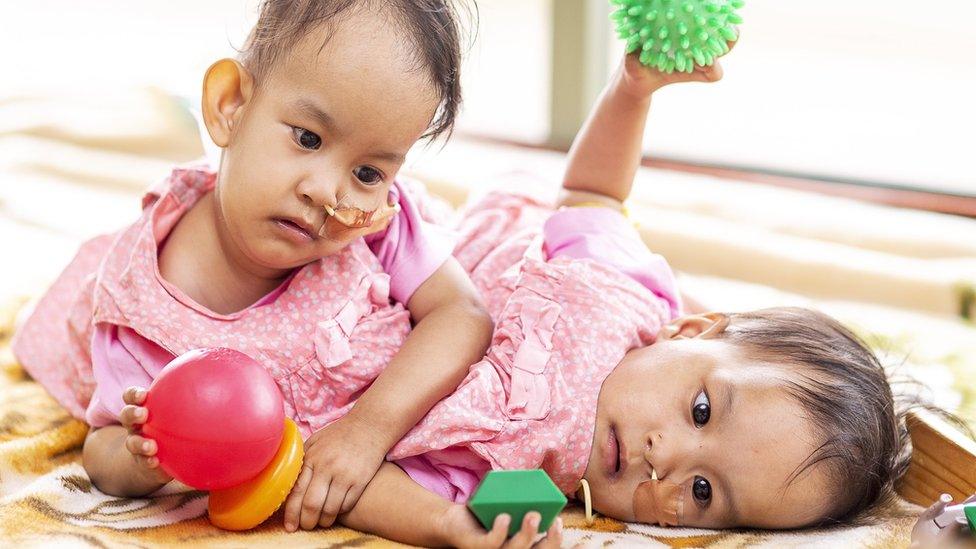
{"x": 344, "y": 218}
{"x": 658, "y": 502}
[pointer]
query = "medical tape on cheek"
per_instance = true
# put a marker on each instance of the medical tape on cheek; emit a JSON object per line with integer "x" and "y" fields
{"x": 344, "y": 218}
{"x": 658, "y": 502}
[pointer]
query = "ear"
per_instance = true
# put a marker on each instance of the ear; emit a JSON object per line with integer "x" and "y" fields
{"x": 227, "y": 87}
{"x": 704, "y": 326}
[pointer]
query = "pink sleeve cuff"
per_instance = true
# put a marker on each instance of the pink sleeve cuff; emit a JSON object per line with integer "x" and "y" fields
{"x": 605, "y": 235}
{"x": 411, "y": 249}
{"x": 121, "y": 358}
{"x": 452, "y": 473}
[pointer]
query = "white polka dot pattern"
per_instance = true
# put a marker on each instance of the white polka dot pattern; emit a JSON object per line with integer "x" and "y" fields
{"x": 561, "y": 327}
{"x": 324, "y": 339}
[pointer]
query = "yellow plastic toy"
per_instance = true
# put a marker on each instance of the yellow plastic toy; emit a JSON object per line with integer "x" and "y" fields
{"x": 247, "y": 505}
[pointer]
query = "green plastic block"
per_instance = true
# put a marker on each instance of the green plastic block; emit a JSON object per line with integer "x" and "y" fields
{"x": 676, "y": 35}
{"x": 517, "y": 492}
{"x": 971, "y": 517}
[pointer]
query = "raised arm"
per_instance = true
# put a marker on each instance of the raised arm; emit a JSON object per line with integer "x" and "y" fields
{"x": 607, "y": 150}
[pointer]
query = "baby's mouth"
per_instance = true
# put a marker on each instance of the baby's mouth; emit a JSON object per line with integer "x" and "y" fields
{"x": 615, "y": 455}
{"x": 619, "y": 456}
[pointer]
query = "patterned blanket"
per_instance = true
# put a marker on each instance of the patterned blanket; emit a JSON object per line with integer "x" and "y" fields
{"x": 46, "y": 499}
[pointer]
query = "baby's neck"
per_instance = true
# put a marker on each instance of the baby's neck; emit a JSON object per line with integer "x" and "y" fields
{"x": 207, "y": 266}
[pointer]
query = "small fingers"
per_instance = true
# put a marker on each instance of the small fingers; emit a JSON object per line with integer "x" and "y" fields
{"x": 318, "y": 490}
{"x": 293, "y": 505}
{"x": 554, "y": 536}
{"x": 333, "y": 503}
{"x": 141, "y": 446}
{"x": 713, "y": 73}
{"x": 134, "y": 395}
{"x": 132, "y": 415}
{"x": 499, "y": 530}
{"x": 352, "y": 497}
{"x": 149, "y": 462}
{"x": 526, "y": 535}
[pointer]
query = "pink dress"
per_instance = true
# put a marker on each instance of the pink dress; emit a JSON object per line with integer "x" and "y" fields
{"x": 110, "y": 321}
{"x": 571, "y": 292}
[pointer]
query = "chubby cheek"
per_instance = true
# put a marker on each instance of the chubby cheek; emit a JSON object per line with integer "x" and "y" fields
{"x": 614, "y": 502}
{"x": 237, "y": 210}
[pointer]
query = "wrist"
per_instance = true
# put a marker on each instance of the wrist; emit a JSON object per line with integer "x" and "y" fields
{"x": 446, "y": 531}
{"x": 371, "y": 432}
{"x": 636, "y": 87}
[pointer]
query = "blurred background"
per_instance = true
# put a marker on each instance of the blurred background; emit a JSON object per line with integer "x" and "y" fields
{"x": 833, "y": 166}
{"x": 874, "y": 92}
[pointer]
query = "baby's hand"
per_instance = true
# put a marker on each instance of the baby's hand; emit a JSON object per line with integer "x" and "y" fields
{"x": 143, "y": 450}
{"x": 462, "y": 529}
{"x": 340, "y": 460}
{"x": 641, "y": 80}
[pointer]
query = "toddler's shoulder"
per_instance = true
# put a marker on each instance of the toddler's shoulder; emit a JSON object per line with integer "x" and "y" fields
{"x": 186, "y": 181}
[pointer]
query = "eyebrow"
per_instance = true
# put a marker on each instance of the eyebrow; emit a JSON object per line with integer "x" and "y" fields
{"x": 732, "y": 509}
{"x": 729, "y": 401}
{"x": 395, "y": 158}
{"x": 313, "y": 110}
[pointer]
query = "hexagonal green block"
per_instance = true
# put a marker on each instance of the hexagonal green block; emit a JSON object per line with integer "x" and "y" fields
{"x": 971, "y": 517}
{"x": 517, "y": 492}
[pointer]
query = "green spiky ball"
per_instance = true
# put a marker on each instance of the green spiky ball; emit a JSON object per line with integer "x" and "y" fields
{"x": 675, "y": 35}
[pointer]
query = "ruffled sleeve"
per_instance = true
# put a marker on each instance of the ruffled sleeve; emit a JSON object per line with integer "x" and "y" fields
{"x": 121, "y": 358}
{"x": 411, "y": 248}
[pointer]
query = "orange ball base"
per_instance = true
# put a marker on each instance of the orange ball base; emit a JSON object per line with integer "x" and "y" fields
{"x": 247, "y": 505}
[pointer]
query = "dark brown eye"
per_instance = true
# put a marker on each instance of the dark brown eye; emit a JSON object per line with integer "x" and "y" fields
{"x": 306, "y": 139}
{"x": 701, "y": 410}
{"x": 701, "y": 489}
{"x": 368, "y": 175}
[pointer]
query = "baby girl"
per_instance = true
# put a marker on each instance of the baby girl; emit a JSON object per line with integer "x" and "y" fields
{"x": 779, "y": 418}
{"x": 302, "y": 250}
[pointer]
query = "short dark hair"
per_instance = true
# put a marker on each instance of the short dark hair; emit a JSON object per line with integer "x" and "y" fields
{"x": 846, "y": 393}
{"x": 432, "y": 27}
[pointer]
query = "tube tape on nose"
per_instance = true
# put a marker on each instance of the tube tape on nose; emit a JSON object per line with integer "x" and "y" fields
{"x": 657, "y": 502}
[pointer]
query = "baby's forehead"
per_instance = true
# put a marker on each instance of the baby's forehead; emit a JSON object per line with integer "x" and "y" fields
{"x": 362, "y": 89}
{"x": 337, "y": 55}
{"x": 359, "y": 33}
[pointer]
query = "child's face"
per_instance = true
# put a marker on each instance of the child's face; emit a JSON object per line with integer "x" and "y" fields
{"x": 732, "y": 469}
{"x": 328, "y": 126}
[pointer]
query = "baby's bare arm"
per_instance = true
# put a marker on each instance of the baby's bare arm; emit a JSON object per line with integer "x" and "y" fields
{"x": 113, "y": 468}
{"x": 452, "y": 332}
{"x": 396, "y": 507}
{"x": 607, "y": 151}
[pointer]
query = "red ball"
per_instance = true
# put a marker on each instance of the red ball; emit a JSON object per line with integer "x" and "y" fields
{"x": 217, "y": 417}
